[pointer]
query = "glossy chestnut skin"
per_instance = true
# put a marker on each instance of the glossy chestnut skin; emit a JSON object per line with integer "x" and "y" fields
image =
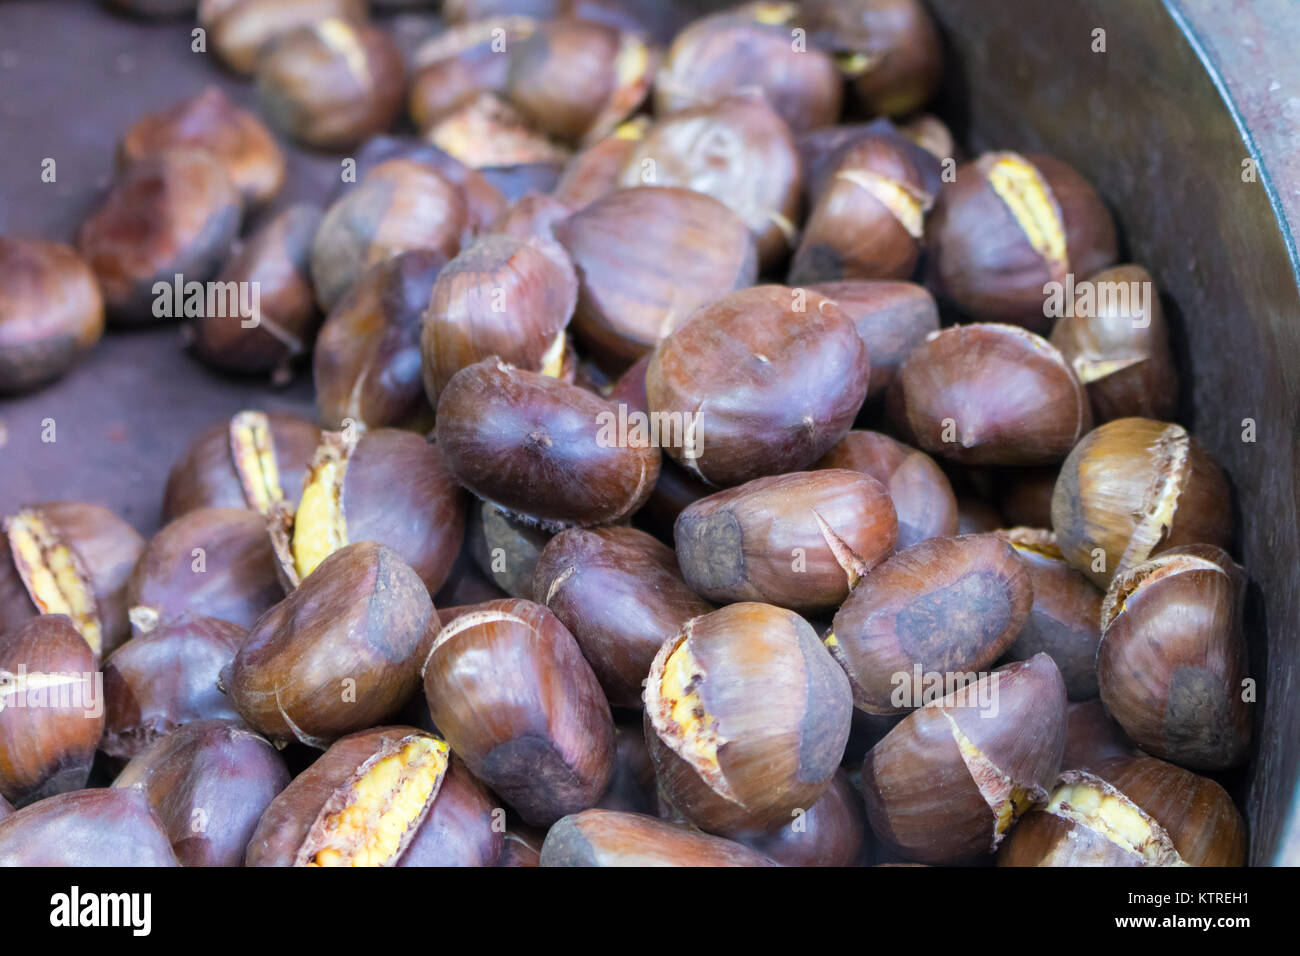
{"x": 892, "y": 317}
{"x": 922, "y": 496}
{"x": 593, "y": 172}
{"x": 159, "y": 681}
{"x": 523, "y": 848}
{"x": 933, "y": 803}
{"x": 339, "y": 654}
{"x": 454, "y": 826}
{"x": 241, "y": 30}
{"x": 1092, "y": 737}
{"x": 1064, "y": 622}
{"x": 613, "y": 838}
{"x": 747, "y": 717}
{"x": 277, "y": 259}
{"x": 1119, "y": 347}
{"x": 799, "y": 540}
{"x": 399, "y": 205}
{"x": 577, "y": 79}
{"x": 51, "y": 312}
{"x": 534, "y": 446}
{"x": 52, "y": 713}
{"x": 332, "y": 83}
{"x": 983, "y": 257}
{"x": 211, "y": 474}
{"x": 175, "y": 213}
{"x": 774, "y": 375}
{"x": 396, "y": 490}
{"x": 888, "y": 49}
{"x": 505, "y": 549}
{"x": 1133, "y": 488}
{"x": 868, "y": 218}
{"x": 98, "y": 828}
{"x": 946, "y": 605}
{"x": 989, "y": 394}
{"x": 621, "y": 595}
{"x": 366, "y": 364}
{"x": 461, "y": 61}
{"x": 548, "y": 748}
{"x": 1171, "y": 665}
{"x": 500, "y": 296}
{"x": 532, "y": 216}
{"x": 209, "y": 121}
{"x": 829, "y": 833}
{"x": 737, "y": 150}
{"x": 1179, "y": 818}
{"x": 646, "y": 259}
{"x": 213, "y": 562}
{"x": 103, "y": 551}
{"x": 209, "y": 782}
{"x": 750, "y": 46}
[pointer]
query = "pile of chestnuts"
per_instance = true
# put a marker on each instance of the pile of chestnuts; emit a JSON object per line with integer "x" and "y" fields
{"x": 699, "y": 476}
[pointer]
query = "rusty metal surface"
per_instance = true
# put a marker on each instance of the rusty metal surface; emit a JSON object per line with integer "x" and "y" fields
{"x": 1162, "y": 121}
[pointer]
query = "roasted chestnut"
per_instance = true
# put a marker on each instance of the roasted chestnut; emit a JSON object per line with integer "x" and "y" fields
{"x": 621, "y": 595}
{"x": 505, "y": 549}
{"x": 367, "y": 360}
{"x": 67, "y": 557}
{"x": 647, "y": 258}
{"x": 933, "y": 614}
{"x": 922, "y": 497}
{"x": 751, "y": 45}
{"x": 1007, "y": 227}
{"x": 892, "y": 317}
{"x": 829, "y": 833}
{"x": 88, "y": 828}
{"x": 399, "y": 205}
{"x": 331, "y": 83}
{"x": 1092, "y": 736}
{"x": 158, "y": 681}
{"x": 51, "y": 312}
{"x": 1114, "y": 336}
{"x": 1130, "y": 811}
{"x": 170, "y": 218}
{"x": 212, "y": 562}
{"x": 385, "y": 485}
{"x": 51, "y": 710}
{"x": 502, "y": 296}
{"x": 391, "y": 796}
{"x": 457, "y": 63}
{"x": 759, "y": 382}
{"x": 888, "y": 49}
{"x": 542, "y": 448}
{"x": 339, "y": 654}
{"x": 577, "y": 79}
{"x": 241, "y": 30}
{"x": 992, "y": 395}
{"x": 737, "y": 150}
{"x": 594, "y": 172}
{"x": 1133, "y": 488}
{"x": 548, "y": 745}
{"x": 283, "y": 321}
{"x": 613, "y": 838}
{"x": 1171, "y": 665}
{"x": 948, "y": 782}
{"x": 209, "y": 121}
{"x": 869, "y": 217}
{"x": 252, "y": 461}
{"x": 747, "y": 717}
{"x": 798, "y": 541}
{"x": 209, "y": 782}
{"x": 485, "y": 132}
{"x": 931, "y": 134}
{"x": 1064, "y": 622}
{"x": 532, "y": 217}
